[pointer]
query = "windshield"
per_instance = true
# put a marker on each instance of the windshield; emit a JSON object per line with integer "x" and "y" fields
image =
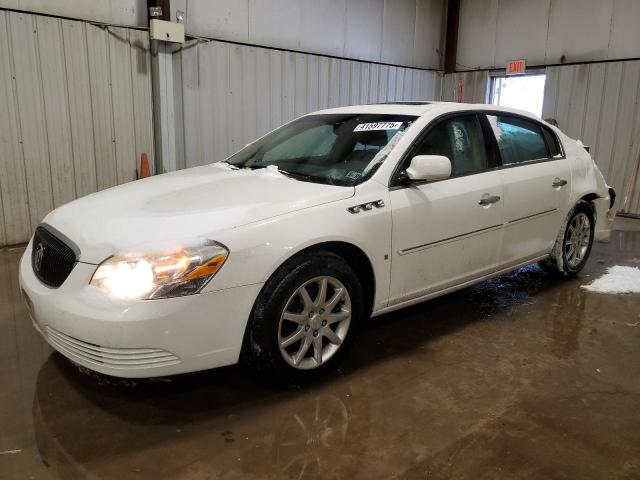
{"x": 339, "y": 149}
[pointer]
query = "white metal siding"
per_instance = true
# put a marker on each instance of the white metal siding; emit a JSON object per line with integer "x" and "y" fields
{"x": 75, "y": 114}
{"x": 399, "y": 32}
{"x": 131, "y": 13}
{"x": 600, "y": 104}
{"x": 232, "y": 93}
{"x": 474, "y": 87}
{"x": 546, "y": 32}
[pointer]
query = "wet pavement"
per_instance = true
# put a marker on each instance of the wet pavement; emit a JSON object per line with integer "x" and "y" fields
{"x": 524, "y": 376}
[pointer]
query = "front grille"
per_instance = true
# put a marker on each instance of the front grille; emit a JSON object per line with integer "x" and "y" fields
{"x": 120, "y": 358}
{"x": 51, "y": 259}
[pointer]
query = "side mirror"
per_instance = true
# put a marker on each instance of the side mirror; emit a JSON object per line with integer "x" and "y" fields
{"x": 429, "y": 167}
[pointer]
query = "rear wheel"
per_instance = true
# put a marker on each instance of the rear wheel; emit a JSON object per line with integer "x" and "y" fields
{"x": 304, "y": 318}
{"x": 574, "y": 242}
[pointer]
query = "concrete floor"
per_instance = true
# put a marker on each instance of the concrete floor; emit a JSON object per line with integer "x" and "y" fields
{"x": 524, "y": 376}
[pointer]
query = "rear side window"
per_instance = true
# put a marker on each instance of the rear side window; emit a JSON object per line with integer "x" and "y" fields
{"x": 552, "y": 143}
{"x": 518, "y": 140}
{"x": 461, "y": 140}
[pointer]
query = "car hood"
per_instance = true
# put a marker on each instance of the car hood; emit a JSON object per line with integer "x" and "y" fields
{"x": 184, "y": 205}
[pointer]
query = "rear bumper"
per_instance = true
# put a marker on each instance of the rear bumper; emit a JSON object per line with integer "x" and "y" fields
{"x": 137, "y": 339}
{"x": 605, "y": 215}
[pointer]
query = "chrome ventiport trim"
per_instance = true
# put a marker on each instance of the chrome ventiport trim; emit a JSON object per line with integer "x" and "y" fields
{"x": 366, "y": 206}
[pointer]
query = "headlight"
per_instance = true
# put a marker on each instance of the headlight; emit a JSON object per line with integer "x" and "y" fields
{"x": 174, "y": 273}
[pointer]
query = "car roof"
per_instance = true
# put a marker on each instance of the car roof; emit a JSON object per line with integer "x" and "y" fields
{"x": 419, "y": 108}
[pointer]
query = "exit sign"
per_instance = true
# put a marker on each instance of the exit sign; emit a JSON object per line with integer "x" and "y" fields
{"x": 516, "y": 66}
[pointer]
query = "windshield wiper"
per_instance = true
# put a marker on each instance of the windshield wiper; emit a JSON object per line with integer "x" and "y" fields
{"x": 306, "y": 178}
{"x": 297, "y": 175}
{"x": 231, "y": 165}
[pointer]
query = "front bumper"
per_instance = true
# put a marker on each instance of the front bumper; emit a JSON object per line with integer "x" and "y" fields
{"x": 136, "y": 339}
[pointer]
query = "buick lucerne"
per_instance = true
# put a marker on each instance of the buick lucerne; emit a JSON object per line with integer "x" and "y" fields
{"x": 275, "y": 255}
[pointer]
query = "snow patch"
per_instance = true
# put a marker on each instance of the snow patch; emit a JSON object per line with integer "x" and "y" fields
{"x": 269, "y": 171}
{"x": 618, "y": 279}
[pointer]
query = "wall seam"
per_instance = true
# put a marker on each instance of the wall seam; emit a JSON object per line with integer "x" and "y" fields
{"x": 150, "y": 130}
{"x": 495, "y": 34}
{"x": 93, "y": 123}
{"x": 384, "y": 9}
{"x": 282, "y": 86}
{"x": 3, "y": 224}
{"x": 546, "y": 41}
{"x": 555, "y": 96}
{"x": 325, "y": 55}
{"x": 632, "y": 175}
{"x": 133, "y": 105}
{"x": 16, "y": 106}
{"x": 415, "y": 30}
{"x": 604, "y": 87}
{"x": 114, "y": 154}
{"x": 610, "y": 29}
{"x": 585, "y": 103}
{"x": 66, "y": 92}
{"x": 574, "y": 83}
{"x": 184, "y": 144}
{"x": 36, "y": 46}
{"x": 615, "y": 125}
{"x": 44, "y": 105}
{"x": 63, "y": 17}
{"x": 199, "y": 105}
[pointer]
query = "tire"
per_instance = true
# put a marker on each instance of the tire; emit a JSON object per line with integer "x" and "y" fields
{"x": 568, "y": 259}
{"x": 281, "y": 315}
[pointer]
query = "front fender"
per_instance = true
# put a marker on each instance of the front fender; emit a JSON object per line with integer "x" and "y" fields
{"x": 258, "y": 250}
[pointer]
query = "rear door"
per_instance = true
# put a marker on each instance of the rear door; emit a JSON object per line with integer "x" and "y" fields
{"x": 537, "y": 181}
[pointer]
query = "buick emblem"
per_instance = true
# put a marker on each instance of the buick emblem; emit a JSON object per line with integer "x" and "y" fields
{"x": 37, "y": 257}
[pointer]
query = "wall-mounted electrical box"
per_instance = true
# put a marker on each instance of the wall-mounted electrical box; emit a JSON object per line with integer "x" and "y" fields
{"x": 166, "y": 31}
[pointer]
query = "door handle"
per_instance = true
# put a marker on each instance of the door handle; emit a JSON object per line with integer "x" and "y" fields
{"x": 557, "y": 183}
{"x": 488, "y": 200}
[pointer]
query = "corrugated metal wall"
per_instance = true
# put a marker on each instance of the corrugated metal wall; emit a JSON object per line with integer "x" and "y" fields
{"x": 75, "y": 114}
{"x": 397, "y": 32}
{"x": 231, "y": 94}
{"x": 546, "y": 32}
{"x": 474, "y": 87}
{"x": 600, "y": 104}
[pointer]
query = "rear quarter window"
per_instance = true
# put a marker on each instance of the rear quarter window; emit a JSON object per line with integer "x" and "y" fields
{"x": 552, "y": 142}
{"x": 518, "y": 140}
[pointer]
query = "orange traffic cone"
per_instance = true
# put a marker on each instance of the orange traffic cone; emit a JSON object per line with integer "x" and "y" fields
{"x": 144, "y": 167}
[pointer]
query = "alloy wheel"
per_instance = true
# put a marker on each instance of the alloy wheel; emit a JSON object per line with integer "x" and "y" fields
{"x": 577, "y": 240}
{"x": 314, "y": 323}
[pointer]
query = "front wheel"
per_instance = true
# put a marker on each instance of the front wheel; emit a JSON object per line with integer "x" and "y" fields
{"x": 303, "y": 319}
{"x": 574, "y": 242}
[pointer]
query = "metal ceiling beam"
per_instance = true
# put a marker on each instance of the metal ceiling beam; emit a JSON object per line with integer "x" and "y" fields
{"x": 451, "y": 38}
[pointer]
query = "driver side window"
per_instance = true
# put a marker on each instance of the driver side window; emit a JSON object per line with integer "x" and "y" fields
{"x": 461, "y": 140}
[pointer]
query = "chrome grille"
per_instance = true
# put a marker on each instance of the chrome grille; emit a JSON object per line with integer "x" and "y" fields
{"x": 121, "y": 358}
{"x": 51, "y": 258}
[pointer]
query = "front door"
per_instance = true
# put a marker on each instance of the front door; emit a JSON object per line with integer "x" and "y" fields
{"x": 449, "y": 231}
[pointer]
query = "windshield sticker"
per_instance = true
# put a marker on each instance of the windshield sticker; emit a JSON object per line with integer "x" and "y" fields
{"x": 383, "y": 153}
{"x": 353, "y": 175}
{"x": 365, "y": 127}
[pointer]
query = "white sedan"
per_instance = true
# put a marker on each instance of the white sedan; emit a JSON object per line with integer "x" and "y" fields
{"x": 276, "y": 254}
